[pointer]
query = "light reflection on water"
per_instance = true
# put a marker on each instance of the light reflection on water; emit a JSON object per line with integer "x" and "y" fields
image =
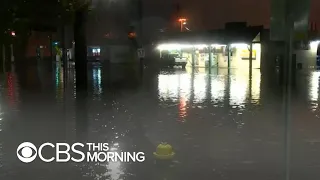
{"x": 13, "y": 94}
{"x": 218, "y": 88}
{"x": 59, "y": 82}
{"x": 96, "y": 77}
{"x": 200, "y": 84}
{"x": 113, "y": 170}
{"x": 170, "y": 86}
{"x": 314, "y": 90}
{"x": 182, "y": 108}
{"x": 199, "y": 100}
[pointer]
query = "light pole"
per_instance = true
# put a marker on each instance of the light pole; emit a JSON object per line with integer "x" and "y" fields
{"x": 182, "y": 21}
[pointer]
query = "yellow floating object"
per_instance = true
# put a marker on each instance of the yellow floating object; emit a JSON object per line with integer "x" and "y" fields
{"x": 164, "y": 151}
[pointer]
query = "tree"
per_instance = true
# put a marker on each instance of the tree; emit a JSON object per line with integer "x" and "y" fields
{"x": 27, "y": 16}
{"x": 6, "y": 19}
{"x": 78, "y": 10}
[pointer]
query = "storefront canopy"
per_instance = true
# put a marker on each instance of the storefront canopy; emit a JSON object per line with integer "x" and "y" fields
{"x": 223, "y": 36}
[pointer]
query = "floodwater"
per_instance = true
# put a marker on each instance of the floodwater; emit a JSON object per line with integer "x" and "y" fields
{"x": 222, "y": 125}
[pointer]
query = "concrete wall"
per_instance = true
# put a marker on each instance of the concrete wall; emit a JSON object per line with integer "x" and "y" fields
{"x": 39, "y": 39}
{"x": 307, "y": 58}
{"x": 118, "y": 54}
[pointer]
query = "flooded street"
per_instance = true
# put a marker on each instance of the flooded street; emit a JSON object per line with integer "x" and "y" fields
{"x": 221, "y": 125}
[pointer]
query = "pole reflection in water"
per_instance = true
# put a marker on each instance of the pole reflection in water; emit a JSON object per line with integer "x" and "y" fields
{"x": 314, "y": 90}
{"x": 81, "y": 116}
{"x": 59, "y": 83}
{"x": 208, "y": 87}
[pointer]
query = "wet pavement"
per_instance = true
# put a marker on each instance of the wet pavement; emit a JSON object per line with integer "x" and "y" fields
{"x": 222, "y": 125}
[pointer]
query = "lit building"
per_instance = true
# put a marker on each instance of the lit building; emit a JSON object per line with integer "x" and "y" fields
{"x": 219, "y": 48}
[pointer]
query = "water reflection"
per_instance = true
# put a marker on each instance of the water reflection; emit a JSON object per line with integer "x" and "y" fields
{"x": 182, "y": 108}
{"x": 59, "y": 82}
{"x": 114, "y": 168}
{"x": 200, "y": 84}
{"x": 217, "y": 88}
{"x": 314, "y": 90}
{"x": 168, "y": 86}
{"x": 13, "y": 94}
{"x": 255, "y": 86}
{"x": 237, "y": 92}
{"x": 1, "y": 151}
{"x": 96, "y": 76}
{"x": 117, "y": 119}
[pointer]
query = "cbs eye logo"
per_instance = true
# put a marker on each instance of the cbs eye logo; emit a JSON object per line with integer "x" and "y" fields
{"x": 25, "y": 151}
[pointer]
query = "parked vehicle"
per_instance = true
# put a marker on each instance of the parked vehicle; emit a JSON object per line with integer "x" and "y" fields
{"x": 174, "y": 60}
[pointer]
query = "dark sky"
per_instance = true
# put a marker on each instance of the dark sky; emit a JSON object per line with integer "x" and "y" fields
{"x": 214, "y": 13}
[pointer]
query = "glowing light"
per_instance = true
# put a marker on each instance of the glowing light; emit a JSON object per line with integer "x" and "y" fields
{"x": 200, "y": 46}
{"x": 173, "y": 46}
{"x": 240, "y": 45}
{"x": 218, "y": 45}
{"x": 177, "y": 46}
{"x": 132, "y": 35}
{"x": 182, "y": 19}
{"x": 13, "y": 33}
{"x": 314, "y": 45}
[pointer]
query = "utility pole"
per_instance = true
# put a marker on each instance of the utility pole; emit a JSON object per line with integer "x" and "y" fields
{"x": 140, "y": 17}
{"x": 182, "y": 21}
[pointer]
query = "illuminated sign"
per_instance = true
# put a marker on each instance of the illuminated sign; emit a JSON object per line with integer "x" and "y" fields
{"x": 245, "y": 54}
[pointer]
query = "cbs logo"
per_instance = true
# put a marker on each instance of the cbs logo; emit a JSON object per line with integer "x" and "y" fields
{"x": 27, "y": 152}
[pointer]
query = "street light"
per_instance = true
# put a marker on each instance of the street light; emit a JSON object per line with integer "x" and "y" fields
{"x": 182, "y": 22}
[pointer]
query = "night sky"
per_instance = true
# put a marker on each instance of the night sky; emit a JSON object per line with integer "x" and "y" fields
{"x": 214, "y": 13}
